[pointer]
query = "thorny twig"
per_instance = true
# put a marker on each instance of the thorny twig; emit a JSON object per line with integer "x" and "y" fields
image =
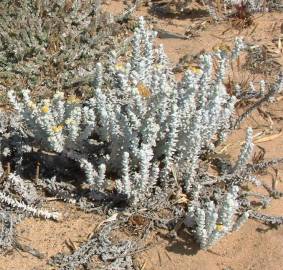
{"x": 7, "y": 230}
{"x": 272, "y": 192}
{"x": 269, "y": 220}
{"x": 117, "y": 254}
{"x": 273, "y": 91}
{"x": 25, "y": 248}
{"x": 261, "y": 166}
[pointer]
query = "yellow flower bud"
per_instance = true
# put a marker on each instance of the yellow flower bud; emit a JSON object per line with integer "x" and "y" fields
{"x": 158, "y": 66}
{"x": 68, "y": 121}
{"x": 195, "y": 69}
{"x": 219, "y": 227}
{"x": 45, "y": 109}
{"x": 120, "y": 67}
{"x": 73, "y": 99}
{"x": 32, "y": 105}
{"x": 57, "y": 129}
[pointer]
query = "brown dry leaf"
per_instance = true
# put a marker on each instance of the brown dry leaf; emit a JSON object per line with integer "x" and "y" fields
{"x": 71, "y": 245}
{"x": 224, "y": 149}
{"x": 139, "y": 220}
{"x": 279, "y": 44}
{"x": 258, "y": 156}
{"x": 268, "y": 138}
{"x": 279, "y": 98}
{"x": 253, "y": 30}
{"x": 97, "y": 227}
{"x": 275, "y": 177}
{"x": 143, "y": 266}
{"x": 143, "y": 90}
{"x": 167, "y": 255}
{"x": 68, "y": 5}
{"x": 218, "y": 4}
{"x": 159, "y": 257}
{"x": 266, "y": 116}
{"x": 182, "y": 199}
{"x": 222, "y": 47}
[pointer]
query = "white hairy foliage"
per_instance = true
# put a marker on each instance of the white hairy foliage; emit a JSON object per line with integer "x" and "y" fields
{"x": 246, "y": 152}
{"x": 250, "y": 5}
{"x": 4, "y": 198}
{"x": 144, "y": 122}
{"x": 214, "y": 222}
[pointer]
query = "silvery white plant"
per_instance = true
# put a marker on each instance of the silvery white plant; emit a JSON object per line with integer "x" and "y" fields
{"x": 246, "y": 152}
{"x": 24, "y": 189}
{"x": 250, "y": 5}
{"x": 239, "y": 173}
{"x": 213, "y": 221}
{"x": 4, "y": 198}
{"x": 26, "y": 192}
{"x": 47, "y": 119}
{"x": 139, "y": 122}
{"x": 96, "y": 179}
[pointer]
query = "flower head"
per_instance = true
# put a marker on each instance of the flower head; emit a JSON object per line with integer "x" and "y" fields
{"x": 59, "y": 95}
{"x": 32, "y": 105}
{"x": 45, "y": 109}
{"x": 120, "y": 67}
{"x": 158, "y": 66}
{"x": 57, "y": 129}
{"x": 69, "y": 121}
{"x": 73, "y": 99}
{"x": 219, "y": 227}
{"x": 195, "y": 69}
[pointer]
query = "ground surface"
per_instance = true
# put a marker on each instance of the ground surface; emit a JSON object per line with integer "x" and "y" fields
{"x": 255, "y": 246}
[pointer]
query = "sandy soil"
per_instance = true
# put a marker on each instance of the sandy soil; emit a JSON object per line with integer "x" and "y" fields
{"x": 255, "y": 246}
